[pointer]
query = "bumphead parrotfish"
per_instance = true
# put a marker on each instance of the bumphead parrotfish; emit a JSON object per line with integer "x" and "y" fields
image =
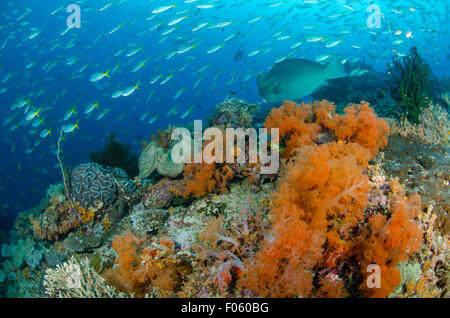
{"x": 293, "y": 79}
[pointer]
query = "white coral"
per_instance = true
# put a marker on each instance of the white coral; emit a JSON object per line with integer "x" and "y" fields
{"x": 76, "y": 279}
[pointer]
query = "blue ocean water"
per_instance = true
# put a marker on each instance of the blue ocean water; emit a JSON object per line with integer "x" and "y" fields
{"x": 183, "y": 54}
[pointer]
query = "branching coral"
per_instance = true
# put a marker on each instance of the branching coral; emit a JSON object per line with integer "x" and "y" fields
{"x": 76, "y": 279}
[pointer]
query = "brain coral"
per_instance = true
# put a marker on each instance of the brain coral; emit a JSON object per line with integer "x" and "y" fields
{"x": 90, "y": 182}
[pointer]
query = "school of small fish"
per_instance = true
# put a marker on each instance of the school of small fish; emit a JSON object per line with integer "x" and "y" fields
{"x": 142, "y": 63}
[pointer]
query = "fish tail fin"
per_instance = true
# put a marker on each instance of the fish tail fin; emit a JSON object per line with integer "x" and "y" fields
{"x": 335, "y": 69}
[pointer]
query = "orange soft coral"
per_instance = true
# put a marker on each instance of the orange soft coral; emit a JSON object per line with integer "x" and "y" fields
{"x": 308, "y": 123}
{"x": 391, "y": 242}
{"x": 361, "y": 125}
{"x": 319, "y": 210}
{"x": 199, "y": 179}
{"x": 319, "y": 223}
{"x": 296, "y": 125}
{"x": 318, "y": 188}
{"x": 139, "y": 268}
{"x": 203, "y": 178}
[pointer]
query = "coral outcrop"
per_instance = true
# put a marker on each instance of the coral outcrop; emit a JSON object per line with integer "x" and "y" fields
{"x": 234, "y": 113}
{"x": 337, "y": 213}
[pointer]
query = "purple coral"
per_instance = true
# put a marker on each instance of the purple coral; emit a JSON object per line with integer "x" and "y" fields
{"x": 90, "y": 182}
{"x": 161, "y": 194}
